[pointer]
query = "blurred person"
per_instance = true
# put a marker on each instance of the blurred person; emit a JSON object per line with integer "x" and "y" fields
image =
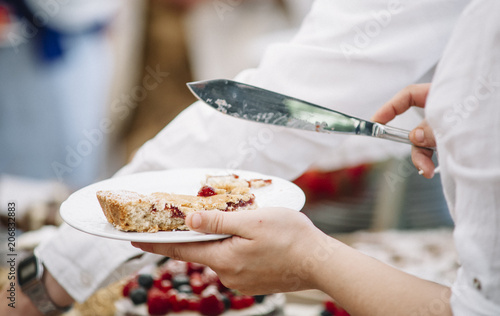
{"x": 266, "y": 255}
{"x": 350, "y": 56}
{"x": 54, "y": 86}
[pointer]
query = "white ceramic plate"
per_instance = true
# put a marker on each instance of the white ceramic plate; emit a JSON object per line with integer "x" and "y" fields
{"x": 82, "y": 210}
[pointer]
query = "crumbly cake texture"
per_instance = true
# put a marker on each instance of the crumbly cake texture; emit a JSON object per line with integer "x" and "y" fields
{"x": 131, "y": 211}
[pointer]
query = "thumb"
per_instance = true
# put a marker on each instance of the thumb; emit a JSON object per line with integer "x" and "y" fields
{"x": 215, "y": 222}
{"x": 423, "y": 135}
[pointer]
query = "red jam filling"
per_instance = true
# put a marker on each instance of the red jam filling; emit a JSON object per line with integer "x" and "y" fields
{"x": 174, "y": 210}
{"x": 176, "y": 213}
{"x": 206, "y": 191}
{"x": 231, "y": 206}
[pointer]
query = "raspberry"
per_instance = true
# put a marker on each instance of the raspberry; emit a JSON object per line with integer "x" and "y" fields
{"x": 158, "y": 303}
{"x": 193, "y": 267}
{"x": 211, "y": 306}
{"x": 178, "y": 301}
{"x": 334, "y": 309}
{"x": 331, "y": 307}
{"x": 242, "y": 301}
{"x": 132, "y": 284}
{"x": 236, "y": 302}
{"x": 166, "y": 275}
{"x": 342, "y": 312}
{"x": 248, "y": 300}
{"x": 194, "y": 304}
{"x": 209, "y": 276}
{"x": 197, "y": 284}
{"x": 222, "y": 288}
{"x": 163, "y": 285}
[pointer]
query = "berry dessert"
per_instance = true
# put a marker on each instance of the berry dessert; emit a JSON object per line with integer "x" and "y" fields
{"x": 131, "y": 211}
{"x": 190, "y": 289}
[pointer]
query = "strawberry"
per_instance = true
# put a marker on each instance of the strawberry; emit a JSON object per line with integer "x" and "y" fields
{"x": 158, "y": 303}
{"x": 211, "y": 305}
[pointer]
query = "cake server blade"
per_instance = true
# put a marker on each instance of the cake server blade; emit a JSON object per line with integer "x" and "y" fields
{"x": 263, "y": 106}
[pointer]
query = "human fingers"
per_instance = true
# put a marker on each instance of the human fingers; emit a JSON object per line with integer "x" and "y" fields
{"x": 213, "y": 222}
{"x": 422, "y": 159}
{"x": 423, "y": 136}
{"x": 412, "y": 95}
{"x": 231, "y": 223}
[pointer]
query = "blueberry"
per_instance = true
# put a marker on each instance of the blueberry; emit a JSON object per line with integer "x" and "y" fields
{"x": 145, "y": 280}
{"x": 185, "y": 288}
{"x": 179, "y": 280}
{"x": 259, "y": 298}
{"x": 325, "y": 313}
{"x": 226, "y": 301}
{"x": 138, "y": 296}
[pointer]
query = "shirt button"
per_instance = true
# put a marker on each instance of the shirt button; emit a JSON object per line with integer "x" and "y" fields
{"x": 477, "y": 284}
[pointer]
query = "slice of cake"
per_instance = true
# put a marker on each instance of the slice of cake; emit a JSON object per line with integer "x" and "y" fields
{"x": 132, "y": 211}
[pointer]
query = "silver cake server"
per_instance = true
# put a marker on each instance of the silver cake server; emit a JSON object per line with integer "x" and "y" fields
{"x": 263, "y": 106}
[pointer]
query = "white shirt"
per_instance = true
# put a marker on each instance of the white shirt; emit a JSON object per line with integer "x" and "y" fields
{"x": 463, "y": 109}
{"x": 349, "y": 55}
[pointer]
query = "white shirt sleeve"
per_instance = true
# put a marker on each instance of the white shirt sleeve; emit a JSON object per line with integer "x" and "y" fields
{"x": 464, "y": 111}
{"x": 350, "y": 55}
